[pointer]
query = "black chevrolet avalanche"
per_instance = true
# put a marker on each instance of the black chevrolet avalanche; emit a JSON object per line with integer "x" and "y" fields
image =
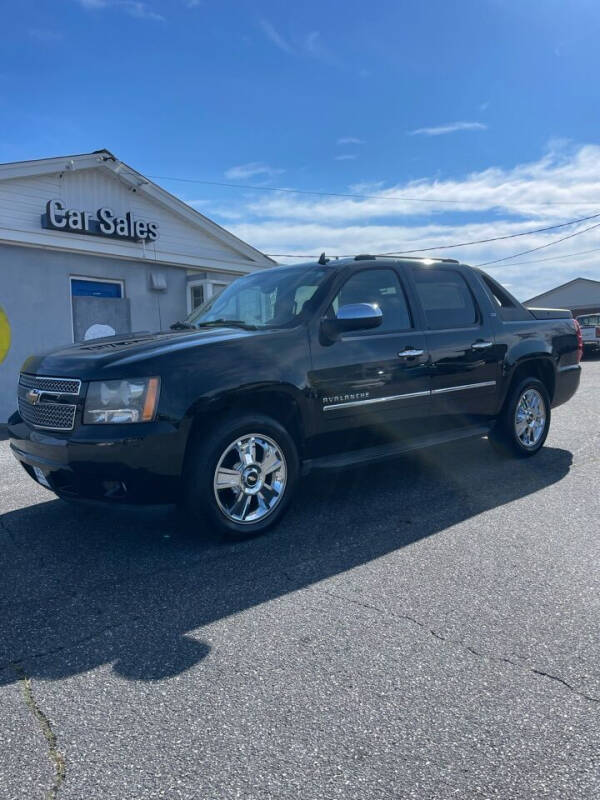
{"x": 289, "y": 369}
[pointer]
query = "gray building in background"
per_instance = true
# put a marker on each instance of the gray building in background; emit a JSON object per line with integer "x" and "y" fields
{"x": 90, "y": 247}
{"x": 580, "y": 296}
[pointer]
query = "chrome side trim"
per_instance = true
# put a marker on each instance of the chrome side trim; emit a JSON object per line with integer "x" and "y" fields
{"x": 377, "y": 400}
{"x": 410, "y": 353}
{"x": 463, "y": 387}
{"x": 427, "y": 393}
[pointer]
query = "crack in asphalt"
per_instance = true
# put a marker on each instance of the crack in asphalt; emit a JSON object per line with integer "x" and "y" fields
{"x": 564, "y": 683}
{"x": 54, "y": 754}
{"x": 4, "y": 527}
{"x": 462, "y": 645}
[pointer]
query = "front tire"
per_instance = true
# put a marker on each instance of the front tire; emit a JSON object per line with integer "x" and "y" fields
{"x": 241, "y": 478}
{"x": 523, "y": 424}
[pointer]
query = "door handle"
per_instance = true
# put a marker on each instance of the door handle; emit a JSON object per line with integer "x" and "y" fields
{"x": 410, "y": 352}
{"x": 481, "y": 345}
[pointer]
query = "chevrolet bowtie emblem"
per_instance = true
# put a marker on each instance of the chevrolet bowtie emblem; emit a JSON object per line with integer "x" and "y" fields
{"x": 34, "y": 396}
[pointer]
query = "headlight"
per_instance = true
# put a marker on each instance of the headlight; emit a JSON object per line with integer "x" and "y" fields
{"x": 121, "y": 401}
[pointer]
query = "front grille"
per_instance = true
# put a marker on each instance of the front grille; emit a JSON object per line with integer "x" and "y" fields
{"x": 51, "y": 385}
{"x": 40, "y": 401}
{"x": 52, "y": 416}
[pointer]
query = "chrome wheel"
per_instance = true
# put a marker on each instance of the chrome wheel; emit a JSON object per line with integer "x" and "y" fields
{"x": 530, "y": 418}
{"x": 250, "y": 478}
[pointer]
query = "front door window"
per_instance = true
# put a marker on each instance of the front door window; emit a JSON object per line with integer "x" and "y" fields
{"x": 380, "y": 287}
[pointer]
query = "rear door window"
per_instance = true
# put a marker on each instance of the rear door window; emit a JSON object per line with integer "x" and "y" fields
{"x": 446, "y": 299}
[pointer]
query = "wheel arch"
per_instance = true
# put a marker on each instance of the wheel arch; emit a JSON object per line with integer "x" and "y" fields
{"x": 537, "y": 366}
{"x": 281, "y": 402}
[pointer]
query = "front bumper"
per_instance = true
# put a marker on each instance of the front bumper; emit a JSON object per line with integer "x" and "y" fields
{"x": 139, "y": 464}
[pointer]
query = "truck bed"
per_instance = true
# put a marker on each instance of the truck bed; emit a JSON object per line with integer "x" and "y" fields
{"x": 550, "y": 313}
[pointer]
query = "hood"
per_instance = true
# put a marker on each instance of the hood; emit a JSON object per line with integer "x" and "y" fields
{"x": 85, "y": 358}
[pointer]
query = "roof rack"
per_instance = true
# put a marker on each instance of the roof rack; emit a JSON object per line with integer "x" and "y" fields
{"x": 369, "y": 257}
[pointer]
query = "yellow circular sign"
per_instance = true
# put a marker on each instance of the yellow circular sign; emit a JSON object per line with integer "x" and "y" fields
{"x": 4, "y": 335}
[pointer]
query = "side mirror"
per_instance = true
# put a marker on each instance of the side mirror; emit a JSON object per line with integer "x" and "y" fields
{"x": 352, "y": 317}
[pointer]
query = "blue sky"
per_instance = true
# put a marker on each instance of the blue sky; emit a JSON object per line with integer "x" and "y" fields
{"x": 492, "y": 104}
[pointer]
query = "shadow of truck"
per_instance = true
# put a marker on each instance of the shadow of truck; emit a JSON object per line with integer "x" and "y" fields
{"x": 84, "y": 587}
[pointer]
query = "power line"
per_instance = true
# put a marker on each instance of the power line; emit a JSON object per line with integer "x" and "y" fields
{"x": 493, "y": 239}
{"x": 541, "y": 247}
{"x": 556, "y": 258}
{"x": 456, "y": 244}
{"x": 364, "y": 196}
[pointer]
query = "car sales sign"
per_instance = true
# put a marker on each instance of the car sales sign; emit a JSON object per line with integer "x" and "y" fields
{"x": 103, "y": 223}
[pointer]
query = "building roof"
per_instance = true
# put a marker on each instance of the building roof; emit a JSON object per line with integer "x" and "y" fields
{"x": 107, "y": 162}
{"x": 595, "y": 284}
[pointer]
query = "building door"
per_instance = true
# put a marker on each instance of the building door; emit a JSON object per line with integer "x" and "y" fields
{"x": 99, "y": 309}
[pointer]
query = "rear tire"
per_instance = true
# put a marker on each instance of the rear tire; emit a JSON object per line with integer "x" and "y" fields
{"x": 524, "y": 422}
{"x": 240, "y": 478}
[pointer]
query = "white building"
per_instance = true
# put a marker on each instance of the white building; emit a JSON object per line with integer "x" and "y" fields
{"x": 581, "y": 296}
{"x": 89, "y": 246}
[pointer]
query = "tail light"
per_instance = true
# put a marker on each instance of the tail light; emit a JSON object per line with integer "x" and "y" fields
{"x": 597, "y": 333}
{"x": 579, "y": 340}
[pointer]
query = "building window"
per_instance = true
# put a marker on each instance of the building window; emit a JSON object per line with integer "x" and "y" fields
{"x": 202, "y": 290}
{"x": 81, "y": 287}
{"x": 99, "y": 308}
{"x": 197, "y": 295}
{"x": 216, "y": 287}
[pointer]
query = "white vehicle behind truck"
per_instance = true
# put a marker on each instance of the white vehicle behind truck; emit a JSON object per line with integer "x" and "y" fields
{"x": 590, "y": 332}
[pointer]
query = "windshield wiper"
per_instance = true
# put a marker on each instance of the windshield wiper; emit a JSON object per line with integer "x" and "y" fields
{"x": 182, "y": 326}
{"x": 237, "y": 323}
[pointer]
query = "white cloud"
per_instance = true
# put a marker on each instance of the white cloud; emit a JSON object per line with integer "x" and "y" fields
{"x": 526, "y": 280}
{"x": 275, "y": 37}
{"x": 558, "y": 177}
{"x": 499, "y": 201}
{"x": 45, "y": 35}
{"x": 350, "y": 140}
{"x": 314, "y": 47}
{"x": 346, "y": 157}
{"x": 312, "y": 41}
{"x": 251, "y": 170}
{"x": 449, "y": 127}
{"x": 134, "y": 8}
{"x": 140, "y": 10}
{"x": 310, "y": 45}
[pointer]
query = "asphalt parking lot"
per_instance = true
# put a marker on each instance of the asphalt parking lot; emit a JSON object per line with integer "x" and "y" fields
{"x": 427, "y": 628}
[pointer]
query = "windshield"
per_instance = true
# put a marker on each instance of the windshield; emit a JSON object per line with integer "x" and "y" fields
{"x": 271, "y": 298}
